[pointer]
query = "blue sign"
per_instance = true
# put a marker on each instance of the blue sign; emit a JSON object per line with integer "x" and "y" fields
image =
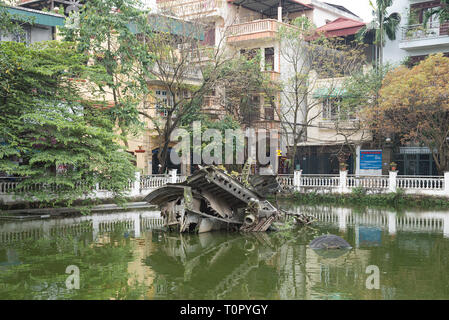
{"x": 370, "y": 236}
{"x": 371, "y": 159}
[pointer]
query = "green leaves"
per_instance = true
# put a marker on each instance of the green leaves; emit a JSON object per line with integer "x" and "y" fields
{"x": 111, "y": 33}
{"x": 50, "y": 135}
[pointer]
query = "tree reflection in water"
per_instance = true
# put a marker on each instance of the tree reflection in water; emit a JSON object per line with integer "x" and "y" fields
{"x": 114, "y": 264}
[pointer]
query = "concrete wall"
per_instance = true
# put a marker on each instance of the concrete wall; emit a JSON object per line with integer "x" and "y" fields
{"x": 41, "y": 34}
{"x": 392, "y": 53}
{"x": 33, "y": 34}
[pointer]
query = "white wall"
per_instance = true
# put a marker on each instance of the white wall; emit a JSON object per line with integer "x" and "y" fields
{"x": 392, "y": 53}
{"x": 36, "y": 34}
{"x": 41, "y": 34}
{"x": 323, "y": 12}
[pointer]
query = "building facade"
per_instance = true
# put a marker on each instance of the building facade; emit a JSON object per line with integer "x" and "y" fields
{"x": 414, "y": 41}
{"x": 243, "y": 27}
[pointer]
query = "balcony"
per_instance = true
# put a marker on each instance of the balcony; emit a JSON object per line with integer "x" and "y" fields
{"x": 202, "y": 54}
{"x": 265, "y": 29}
{"x": 191, "y": 8}
{"x": 415, "y": 37}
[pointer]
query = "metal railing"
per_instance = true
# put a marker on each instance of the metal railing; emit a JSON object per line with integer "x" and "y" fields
{"x": 418, "y": 31}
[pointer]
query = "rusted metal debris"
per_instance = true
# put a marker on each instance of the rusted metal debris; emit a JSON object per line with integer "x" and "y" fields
{"x": 210, "y": 199}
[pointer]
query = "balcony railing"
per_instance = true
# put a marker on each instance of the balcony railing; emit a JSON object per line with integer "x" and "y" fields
{"x": 185, "y": 8}
{"x": 254, "y": 30}
{"x": 418, "y": 31}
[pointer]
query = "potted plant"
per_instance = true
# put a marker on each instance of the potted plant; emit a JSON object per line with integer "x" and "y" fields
{"x": 343, "y": 166}
{"x": 393, "y": 166}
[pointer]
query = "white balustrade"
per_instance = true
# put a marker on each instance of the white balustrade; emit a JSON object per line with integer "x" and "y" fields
{"x": 312, "y": 180}
{"x": 185, "y": 8}
{"x": 374, "y": 182}
{"x": 413, "y": 182}
{"x": 285, "y": 181}
{"x": 343, "y": 183}
{"x": 253, "y": 27}
{"x": 154, "y": 181}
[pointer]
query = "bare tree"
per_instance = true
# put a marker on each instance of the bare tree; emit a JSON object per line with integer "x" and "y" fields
{"x": 313, "y": 68}
{"x": 186, "y": 69}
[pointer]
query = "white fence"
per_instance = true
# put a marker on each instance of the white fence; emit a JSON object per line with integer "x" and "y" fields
{"x": 390, "y": 221}
{"x": 96, "y": 224}
{"x": 342, "y": 183}
{"x": 10, "y": 191}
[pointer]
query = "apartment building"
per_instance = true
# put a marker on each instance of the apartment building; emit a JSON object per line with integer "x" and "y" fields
{"x": 244, "y": 26}
{"x": 414, "y": 41}
{"x": 144, "y": 145}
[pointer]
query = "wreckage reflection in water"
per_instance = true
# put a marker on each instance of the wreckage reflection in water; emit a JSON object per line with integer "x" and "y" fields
{"x": 131, "y": 260}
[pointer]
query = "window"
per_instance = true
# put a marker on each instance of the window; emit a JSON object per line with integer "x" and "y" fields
{"x": 269, "y": 59}
{"x": 251, "y": 112}
{"x": 434, "y": 19}
{"x": 268, "y": 108}
{"x": 163, "y": 102}
{"x": 209, "y": 35}
{"x": 269, "y": 113}
{"x": 249, "y": 53}
{"x": 24, "y": 36}
{"x": 332, "y": 110}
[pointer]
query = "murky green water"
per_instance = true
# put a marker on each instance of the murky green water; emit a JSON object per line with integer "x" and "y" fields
{"x": 126, "y": 256}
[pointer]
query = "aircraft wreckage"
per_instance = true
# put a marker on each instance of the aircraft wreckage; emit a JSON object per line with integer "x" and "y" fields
{"x": 210, "y": 199}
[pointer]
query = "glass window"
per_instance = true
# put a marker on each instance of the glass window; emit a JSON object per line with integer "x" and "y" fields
{"x": 163, "y": 102}
{"x": 269, "y": 59}
{"x": 412, "y": 168}
{"x": 331, "y": 108}
{"x": 424, "y": 168}
{"x": 269, "y": 113}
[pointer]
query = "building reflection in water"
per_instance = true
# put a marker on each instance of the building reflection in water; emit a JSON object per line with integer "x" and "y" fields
{"x": 410, "y": 249}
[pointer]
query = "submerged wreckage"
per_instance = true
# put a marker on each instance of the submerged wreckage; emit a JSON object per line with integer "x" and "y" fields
{"x": 210, "y": 199}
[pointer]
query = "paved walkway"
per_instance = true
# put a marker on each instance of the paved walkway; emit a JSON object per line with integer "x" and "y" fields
{"x": 26, "y": 214}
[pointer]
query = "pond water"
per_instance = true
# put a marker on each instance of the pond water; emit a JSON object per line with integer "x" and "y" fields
{"x": 127, "y": 256}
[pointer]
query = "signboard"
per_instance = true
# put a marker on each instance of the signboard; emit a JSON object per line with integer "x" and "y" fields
{"x": 370, "y": 159}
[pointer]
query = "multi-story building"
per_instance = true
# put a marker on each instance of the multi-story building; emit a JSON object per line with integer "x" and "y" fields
{"x": 413, "y": 40}
{"x": 245, "y": 26}
{"x": 413, "y": 43}
{"x": 335, "y": 134}
{"x": 144, "y": 145}
{"x": 242, "y": 27}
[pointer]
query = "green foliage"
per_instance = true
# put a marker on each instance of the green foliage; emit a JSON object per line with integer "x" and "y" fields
{"x": 111, "y": 32}
{"x": 384, "y": 24}
{"x": 45, "y": 123}
{"x": 362, "y": 91}
{"x": 359, "y": 198}
{"x": 40, "y": 269}
{"x": 442, "y": 12}
{"x": 221, "y": 125}
{"x": 359, "y": 191}
{"x": 244, "y": 72}
{"x": 12, "y": 23}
